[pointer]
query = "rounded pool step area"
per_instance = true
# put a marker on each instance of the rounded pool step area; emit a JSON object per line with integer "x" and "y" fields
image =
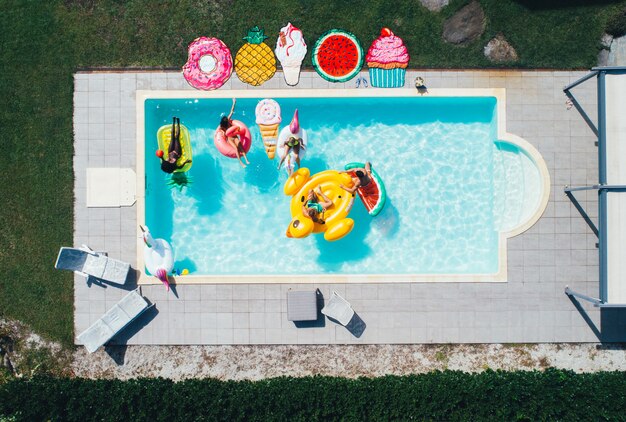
{"x": 517, "y": 186}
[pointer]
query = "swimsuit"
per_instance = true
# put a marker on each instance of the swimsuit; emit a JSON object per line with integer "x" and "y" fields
{"x": 315, "y": 205}
{"x": 168, "y": 167}
{"x": 365, "y": 179}
{"x": 292, "y": 143}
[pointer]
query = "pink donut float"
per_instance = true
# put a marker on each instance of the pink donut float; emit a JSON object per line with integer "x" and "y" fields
{"x": 209, "y": 64}
{"x": 237, "y": 129}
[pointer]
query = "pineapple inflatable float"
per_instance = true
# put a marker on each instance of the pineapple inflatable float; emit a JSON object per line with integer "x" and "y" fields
{"x": 255, "y": 62}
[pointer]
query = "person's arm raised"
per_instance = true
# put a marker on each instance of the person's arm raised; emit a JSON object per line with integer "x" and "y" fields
{"x": 232, "y": 109}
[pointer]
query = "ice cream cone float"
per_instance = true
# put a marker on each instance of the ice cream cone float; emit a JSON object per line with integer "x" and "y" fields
{"x": 268, "y": 119}
{"x": 290, "y": 51}
{"x": 292, "y": 75}
{"x": 269, "y": 134}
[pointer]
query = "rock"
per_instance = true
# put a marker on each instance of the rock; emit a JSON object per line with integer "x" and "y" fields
{"x": 606, "y": 40}
{"x": 466, "y": 25}
{"x": 617, "y": 54}
{"x": 434, "y": 5}
{"x": 603, "y": 58}
{"x": 499, "y": 50}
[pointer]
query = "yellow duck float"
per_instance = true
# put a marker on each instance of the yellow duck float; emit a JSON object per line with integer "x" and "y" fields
{"x": 335, "y": 223}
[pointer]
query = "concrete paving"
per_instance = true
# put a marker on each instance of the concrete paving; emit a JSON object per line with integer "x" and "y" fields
{"x": 531, "y": 307}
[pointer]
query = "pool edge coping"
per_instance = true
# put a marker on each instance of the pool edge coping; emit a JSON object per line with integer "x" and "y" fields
{"x": 498, "y": 277}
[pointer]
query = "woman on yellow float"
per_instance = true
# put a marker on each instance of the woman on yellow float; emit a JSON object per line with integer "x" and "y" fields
{"x": 309, "y": 214}
{"x": 176, "y": 142}
{"x": 313, "y": 208}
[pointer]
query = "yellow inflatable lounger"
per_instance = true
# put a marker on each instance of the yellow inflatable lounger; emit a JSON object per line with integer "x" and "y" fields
{"x": 336, "y": 224}
{"x": 164, "y": 137}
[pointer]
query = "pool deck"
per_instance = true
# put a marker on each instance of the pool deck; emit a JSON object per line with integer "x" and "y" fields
{"x": 530, "y": 308}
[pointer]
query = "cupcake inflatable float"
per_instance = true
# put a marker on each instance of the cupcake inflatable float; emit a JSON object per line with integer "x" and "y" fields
{"x": 387, "y": 60}
{"x": 209, "y": 65}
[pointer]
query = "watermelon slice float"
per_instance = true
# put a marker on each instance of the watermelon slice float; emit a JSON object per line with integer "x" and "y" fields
{"x": 338, "y": 56}
{"x": 374, "y": 195}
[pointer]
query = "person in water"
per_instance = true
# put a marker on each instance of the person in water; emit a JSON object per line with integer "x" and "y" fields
{"x": 313, "y": 208}
{"x": 362, "y": 177}
{"x": 233, "y": 140}
{"x": 175, "y": 150}
{"x": 293, "y": 144}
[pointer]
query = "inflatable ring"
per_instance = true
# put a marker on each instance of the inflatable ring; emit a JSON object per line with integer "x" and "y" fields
{"x": 336, "y": 224}
{"x": 209, "y": 64}
{"x": 222, "y": 145}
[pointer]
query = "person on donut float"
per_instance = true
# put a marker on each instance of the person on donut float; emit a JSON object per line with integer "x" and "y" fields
{"x": 313, "y": 208}
{"x": 174, "y": 151}
{"x": 231, "y": 133}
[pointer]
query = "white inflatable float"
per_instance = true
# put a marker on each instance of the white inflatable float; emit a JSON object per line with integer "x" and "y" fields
{"x": 158, "y": 256}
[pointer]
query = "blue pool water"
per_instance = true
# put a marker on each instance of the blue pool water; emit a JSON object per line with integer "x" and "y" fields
{"x": 435, "y": 155}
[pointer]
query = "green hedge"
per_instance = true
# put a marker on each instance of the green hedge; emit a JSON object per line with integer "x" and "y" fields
{"x": 449, "y": 395}
{"x": 616, "y": 25}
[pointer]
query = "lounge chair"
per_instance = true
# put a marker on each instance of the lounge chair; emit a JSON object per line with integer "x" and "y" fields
{"x": 338, "y": 309}
{"x": 115, "y": 319}
{"x": 88, "y": 263}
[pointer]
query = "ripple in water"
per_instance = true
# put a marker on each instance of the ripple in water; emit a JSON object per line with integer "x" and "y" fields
{"x": 438, "y": 218}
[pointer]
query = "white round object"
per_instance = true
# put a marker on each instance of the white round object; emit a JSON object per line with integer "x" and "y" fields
{"x": 207, "y": 63}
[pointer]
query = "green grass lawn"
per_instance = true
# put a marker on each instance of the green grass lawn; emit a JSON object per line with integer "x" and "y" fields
{"x": 43, "y": 42}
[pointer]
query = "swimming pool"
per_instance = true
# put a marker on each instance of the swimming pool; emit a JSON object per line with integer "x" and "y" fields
{"x": 457, "y": 186}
